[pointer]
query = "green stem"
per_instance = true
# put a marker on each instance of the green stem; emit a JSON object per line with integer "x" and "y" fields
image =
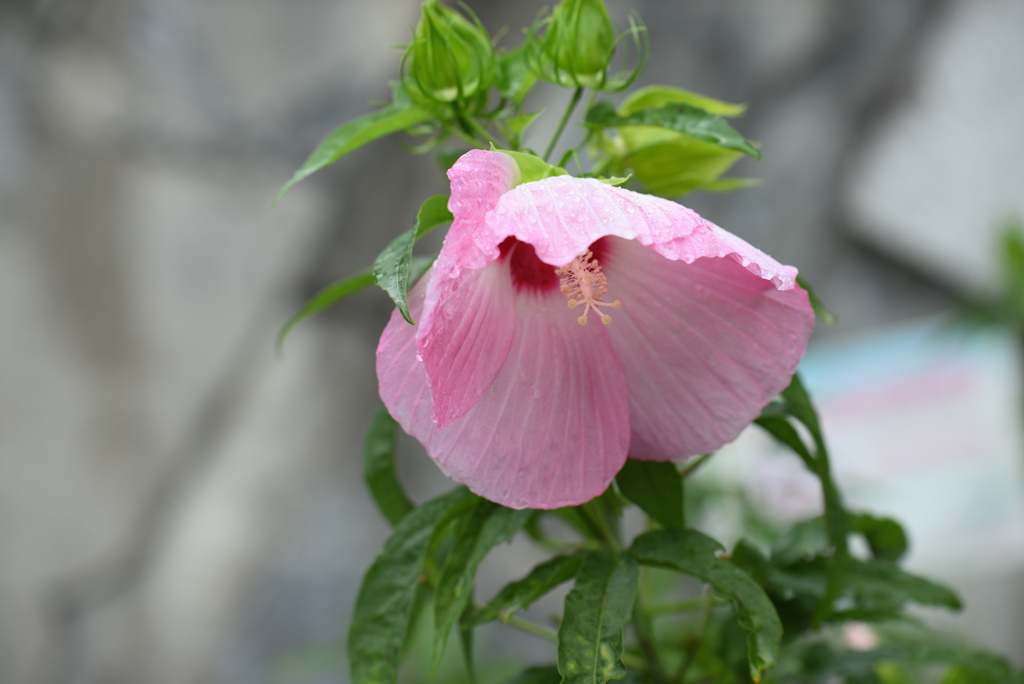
{"x": 565, "y": 119}
{"x": 694, "y": 643}
{"x": 465, "y": 137}
{"x": 596, "y": 520}
{"x": 531, "y": 628}
{"x": 693, "y": 464}
{"x": 645, "y": 634}
{"x": 482, "y": 132}
{"x": 835, "y": 517}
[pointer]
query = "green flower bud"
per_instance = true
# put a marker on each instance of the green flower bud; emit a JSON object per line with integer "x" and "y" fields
{"x": 579, "y": 44}
{"x": 450, "y": 59}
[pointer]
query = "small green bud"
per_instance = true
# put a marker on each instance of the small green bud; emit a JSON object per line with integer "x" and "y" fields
{"x": 450, "y": 59}
{"x": 579, "y": 44}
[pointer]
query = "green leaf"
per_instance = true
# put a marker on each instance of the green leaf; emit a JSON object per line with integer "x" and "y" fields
{"x": 794, "y": 402}
{"x": 533, "y": 168}
{"x": 394, "y": 265}
{"x": 385, "y": 603}
{"x": 1011, "y": 261}
{"x": 487, "y": 526}
{"x": 546, "y": 674}
{"x": 515, "y": 77}
{"x": 805, "y": 539}
{"x": 728, "y": 184}
{"x": 880, "y": 581}
{"x": 329, "y": 296}
{"x": 654, "y": 96}
{"x": 518, "y": 124}
{"x": 614, "y": 180}
{"x": 885, "y": 536}
{"x": 879, "y": 588}
{"x": 989, "y": 668}
{"x": 419, "y": 266}
{"x": 654, "y": 486}
{"x": 466, "y": 639}
{"x": 672, "y": 168}
{"x": 397, "y": 116}
{"x": 781, "y": 429}
{"x": 819, "y": 309}
{"x": 379, "y": 467}
{"x": 695, "y": 554}
{"x": 596, "y": 610}
{"x": 799, "y": 405}
{"x": 680, "y": 118}
{"x": 671, "y": 164}
{"x": 519, "y": 595}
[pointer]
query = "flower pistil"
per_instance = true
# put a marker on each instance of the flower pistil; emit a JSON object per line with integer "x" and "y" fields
{"x": 583, "y": 282}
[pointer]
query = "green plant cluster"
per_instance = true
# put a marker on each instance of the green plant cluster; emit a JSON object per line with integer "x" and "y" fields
{"x": 457, "y": 91}
{"x": 773, "y": 614}
{"x": 768, "y": 613}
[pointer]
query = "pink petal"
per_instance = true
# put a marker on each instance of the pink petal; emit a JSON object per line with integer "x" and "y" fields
{"x": 705, "y": 345}
{"x": 562, "y": 216}
{"x": 553, "y": 428}
{"x": 465, "y": 340}
{"x": 467, "y": 321}
{"x": 711, "y": 241}
{"x": 400, "y": 374}
{"x": 478, "y": 180}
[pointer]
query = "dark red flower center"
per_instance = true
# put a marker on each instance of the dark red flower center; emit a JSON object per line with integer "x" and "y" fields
{"x": 529, "y": 272}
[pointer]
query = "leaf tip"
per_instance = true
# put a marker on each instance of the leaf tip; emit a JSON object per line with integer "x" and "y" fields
{"x": 284, "y": 189}
{"x": 282, "y": 334}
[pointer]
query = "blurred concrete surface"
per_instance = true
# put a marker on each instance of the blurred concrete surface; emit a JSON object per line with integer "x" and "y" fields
{"x": 177, "y": 504}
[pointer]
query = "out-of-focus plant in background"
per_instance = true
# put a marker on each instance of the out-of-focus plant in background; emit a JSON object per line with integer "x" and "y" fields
{"x": 823, "y": 600}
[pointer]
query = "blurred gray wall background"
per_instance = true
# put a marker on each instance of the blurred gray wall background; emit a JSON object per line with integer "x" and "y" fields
{"x": 177, "y": 504}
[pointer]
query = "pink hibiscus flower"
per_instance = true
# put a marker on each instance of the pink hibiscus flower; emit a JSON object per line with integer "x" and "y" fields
{"x": 513, "y": 397}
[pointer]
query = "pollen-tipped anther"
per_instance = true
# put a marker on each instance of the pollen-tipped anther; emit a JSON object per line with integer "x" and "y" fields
{"x": 583, "y": 282}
